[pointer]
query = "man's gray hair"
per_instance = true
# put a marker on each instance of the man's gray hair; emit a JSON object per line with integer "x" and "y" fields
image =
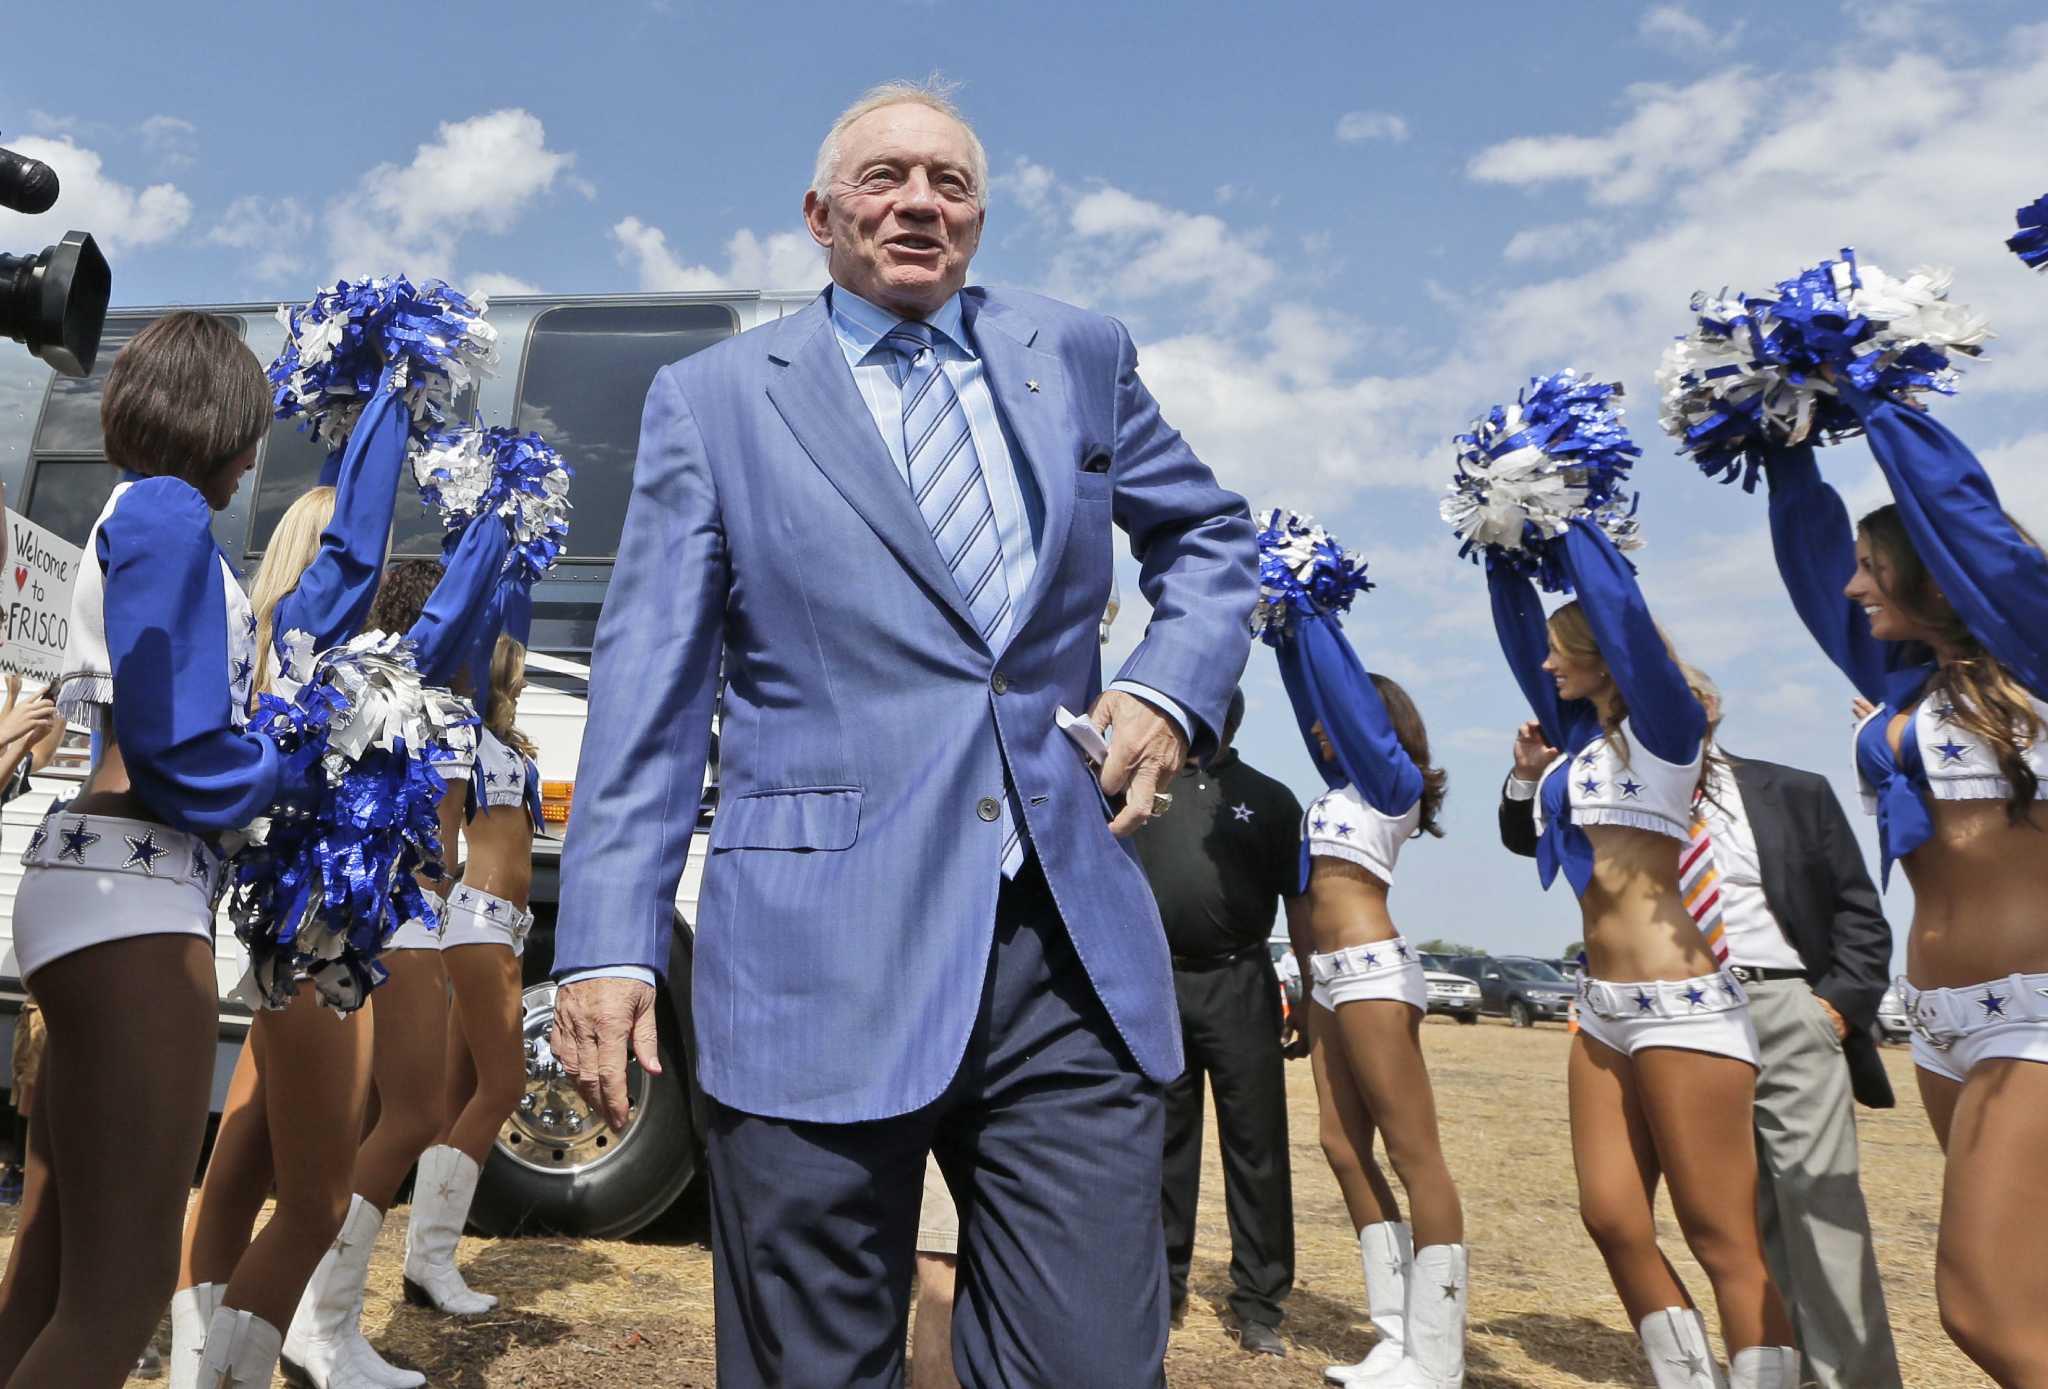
{"x": 934, "y": 92}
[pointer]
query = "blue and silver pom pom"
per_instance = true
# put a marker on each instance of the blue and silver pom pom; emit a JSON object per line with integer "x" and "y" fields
{"x": 339, "y": 345}
{"x": 1753, "y": 372}
{"x": 2030, "y": 243}
{"x": 1303, "y": 572}
{"x": 1526, "y": 471}
{"x": 495, "y": 471}
{"x": 323, "y": 882}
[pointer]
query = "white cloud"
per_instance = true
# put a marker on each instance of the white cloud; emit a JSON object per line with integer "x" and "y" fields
{"x": 478, "y": 175}
{"x": 1354, "y": 126}
{"x": 782, "y": 260}
{"x": 1125, "y": 248}
{"x": 1672, "y": 132}
{"x": 119, "y": 215}
{"x": 1677, "y": 29}
{"x": 275, "y": 231}
{"x": 1030, "y": 184}
{"x": 490, "y": 284}
{"x": 169, "y": 140}
{"x": 1898, "y": 21}
{"x": 1559, "y": 240}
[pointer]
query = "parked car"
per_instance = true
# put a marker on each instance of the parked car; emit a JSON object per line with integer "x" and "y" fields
{"x": 1892, "y": 1021}
{"x": 1524, "y": 989}
{"x": 577, "y": 369}
{"x": 1570, "y": 968}
{"x": 1452, "y": 993}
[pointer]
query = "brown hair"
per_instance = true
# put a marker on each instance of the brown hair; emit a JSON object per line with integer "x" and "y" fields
{"x": 1988, "y": 701}
{"x": 508, "y": 666}
{"x": 403, "y": 594}
{"x": 1407, "y": 721}
{"x": 184, "y": 397}
{"x": 1571, "y": 633}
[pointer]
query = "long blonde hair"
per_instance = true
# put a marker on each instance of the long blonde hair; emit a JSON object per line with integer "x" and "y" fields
{"x": 1572, "y": 633}
{"x": 293, "y": 547}
{"x": 508, "y": 668}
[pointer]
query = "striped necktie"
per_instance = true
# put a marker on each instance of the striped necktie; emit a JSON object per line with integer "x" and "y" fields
{"x": 953, "y": 497}
{"x": 1699, "y": 884}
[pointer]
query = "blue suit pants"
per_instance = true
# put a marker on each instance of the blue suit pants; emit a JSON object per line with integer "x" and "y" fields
{"x": 1050, "y": 1139}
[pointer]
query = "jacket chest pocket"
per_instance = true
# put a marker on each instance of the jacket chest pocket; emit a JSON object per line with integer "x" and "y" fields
{"x": 822, "y": 818}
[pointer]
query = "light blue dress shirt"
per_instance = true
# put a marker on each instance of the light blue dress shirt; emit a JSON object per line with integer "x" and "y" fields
{"x": 1019, "y": 511}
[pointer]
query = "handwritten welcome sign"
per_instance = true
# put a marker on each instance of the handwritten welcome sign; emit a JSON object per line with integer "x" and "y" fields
{"x": 41, "y": 567}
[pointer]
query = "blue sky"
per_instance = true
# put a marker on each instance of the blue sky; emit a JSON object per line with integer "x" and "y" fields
{"x": 1337, "y": 232}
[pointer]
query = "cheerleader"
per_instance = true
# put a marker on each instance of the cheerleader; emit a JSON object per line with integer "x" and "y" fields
{"x": 308, "y": 1069}
{"x": 1936, "y": 608}
{"x": 113, "y": 918}
{"x": 483, "y": 935}
{"x": 1663, "y": 1072}
{"x": 440, "y": 612}
{"x": 1366, "y": 982}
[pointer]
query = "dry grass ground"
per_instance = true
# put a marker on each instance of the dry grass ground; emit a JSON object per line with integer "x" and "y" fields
{"x": 1543, "y": 1316}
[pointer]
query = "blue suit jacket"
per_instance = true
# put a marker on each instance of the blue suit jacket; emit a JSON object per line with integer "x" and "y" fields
{"x": 849, "y": 903}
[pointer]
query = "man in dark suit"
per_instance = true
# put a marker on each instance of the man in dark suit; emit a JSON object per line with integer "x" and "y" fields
{"x": 1807, "y": 937}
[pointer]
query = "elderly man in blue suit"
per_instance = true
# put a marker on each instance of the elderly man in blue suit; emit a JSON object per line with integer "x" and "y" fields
{"x": 891, "y": 513}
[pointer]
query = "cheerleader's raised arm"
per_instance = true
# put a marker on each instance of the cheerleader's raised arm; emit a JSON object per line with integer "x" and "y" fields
{"x": 175, "y": 716}
{"x": 1663, "y": 712}
{"x": 1816, "y": 553}
{"x": 1994, "y": 577}
{"x": 458, "y": 610}
{"x": 1325, "y": 679}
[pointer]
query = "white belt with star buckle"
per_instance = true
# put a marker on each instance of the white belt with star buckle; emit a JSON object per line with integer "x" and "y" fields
{"x": 1719, "y": 992}
{"x": 1943, "y": 1017}
{"x": 110, "y": 844}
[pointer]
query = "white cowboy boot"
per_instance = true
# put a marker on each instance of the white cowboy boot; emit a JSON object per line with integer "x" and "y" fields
{"x": 191, "y": 1309}
{"x": 1764, "y": 1367}
{"x": 241, "y": 1351}
{"x": 324, "y": 1346}
{"x": 441, "y": 1194}
{"x": 1435, "y": 1350}
{"x": 1385, "y": 1250}
{"x": 1675, "y": 1343}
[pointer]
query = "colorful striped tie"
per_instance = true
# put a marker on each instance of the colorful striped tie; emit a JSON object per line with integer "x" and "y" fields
{"x": 1699, "y": 884}
{"x": 952, "y": 495}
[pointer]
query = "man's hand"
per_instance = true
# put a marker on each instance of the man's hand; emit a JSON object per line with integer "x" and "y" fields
{"x": 1532, "y": 753}
{"x": 1144, "y": 756}
{"x": 1841, "y": 1023}
{"x": 1294, "y": 1037}
{"x": 594, "y": 1019}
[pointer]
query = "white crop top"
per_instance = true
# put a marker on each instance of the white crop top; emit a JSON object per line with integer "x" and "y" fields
{"x": 1343, "y": 824}
{"x": 500, "y": 775}
{"x": 1955, "y": 764}
{"x": 1644, "y": 792}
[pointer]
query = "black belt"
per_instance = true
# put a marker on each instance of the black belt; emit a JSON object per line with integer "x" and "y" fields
{"x": 1201, "y": 962}
{"x": 1752, "y": 974}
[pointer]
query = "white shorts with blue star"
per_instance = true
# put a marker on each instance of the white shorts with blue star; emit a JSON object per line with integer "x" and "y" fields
{"x": 1709, "y": 1013}
{"x": 1955, "y": 1029}
{"x": 1385, "y": 969}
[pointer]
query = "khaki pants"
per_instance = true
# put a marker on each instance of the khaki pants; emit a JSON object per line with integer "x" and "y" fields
{"x": 1815, "y": 1227}
{"x": 938, "y": 1223}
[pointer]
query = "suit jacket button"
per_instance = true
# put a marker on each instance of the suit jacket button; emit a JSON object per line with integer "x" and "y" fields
{"x": 988, "y": 809}
{"x": 1000, "y": 682}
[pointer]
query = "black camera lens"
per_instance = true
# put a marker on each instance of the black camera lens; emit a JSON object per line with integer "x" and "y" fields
{"x": 56, "y": 302}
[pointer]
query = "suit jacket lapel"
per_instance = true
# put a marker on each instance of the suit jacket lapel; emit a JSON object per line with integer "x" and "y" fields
{"x": 1030, "y": 392}
{"x": 822, "y": 407}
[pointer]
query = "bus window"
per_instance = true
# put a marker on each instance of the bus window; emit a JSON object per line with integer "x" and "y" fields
{"x": 291, "y": 464}
{"x": 70, "y": 481}
{"x": 587, "y": 371}
{"x": 70, "y": 493}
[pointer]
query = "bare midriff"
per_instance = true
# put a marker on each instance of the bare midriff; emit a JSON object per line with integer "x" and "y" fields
{"x": 1636, "y": 924}
{"x": 1347, "y": 905}
{"x": 1980, "y": 896}
{"x": 107, "y": 790}
{"x": 500, "y": 854}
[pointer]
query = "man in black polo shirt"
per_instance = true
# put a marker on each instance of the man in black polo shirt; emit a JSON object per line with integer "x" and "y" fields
{"x": 1220, "y": 864}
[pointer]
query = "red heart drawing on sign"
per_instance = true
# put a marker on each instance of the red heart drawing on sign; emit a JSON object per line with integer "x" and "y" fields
{"x": 20, "y": 576}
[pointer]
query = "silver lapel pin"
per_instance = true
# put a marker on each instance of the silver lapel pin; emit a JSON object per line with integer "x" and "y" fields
{"x": 1031, "y": 386}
